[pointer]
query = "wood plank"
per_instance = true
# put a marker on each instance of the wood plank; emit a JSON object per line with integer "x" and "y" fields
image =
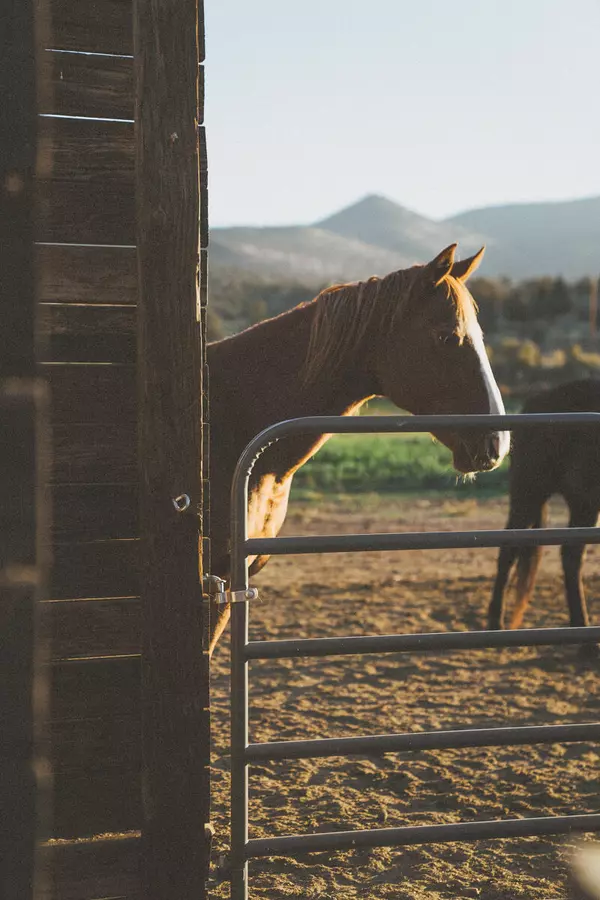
{"x": 85, "y": 151}
{"x": 103, "y": 688}
{"x": 88, "y": 697}
{"x": 97, "y": 569}
{"x": 96, "y": 802}
{"x": 94, "y": 512}
{"x": 93, "y": 85}
{"x": 101, "y": 26}
{"x": 89, "y": 870}
{"x": 175, "y": 734}
{"x": 92, "y": 454}
{"x": 88, "y": 199}
{"x": 90, "y": 85}
{"x": 86, "y": 333}
{"x": 94, "y": 627}
{"x": 93, "y": 213}
{"x": 73, "y": 274}
{"x": 92, "y": 394}
{"x": 112, "y": 742}
{"x": 98, "y": 26}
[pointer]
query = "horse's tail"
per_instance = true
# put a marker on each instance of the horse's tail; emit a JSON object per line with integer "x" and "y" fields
{"x": 528, "y": 561}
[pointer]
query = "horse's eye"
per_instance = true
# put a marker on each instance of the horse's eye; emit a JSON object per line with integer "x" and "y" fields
{"x": 449, "y": 338}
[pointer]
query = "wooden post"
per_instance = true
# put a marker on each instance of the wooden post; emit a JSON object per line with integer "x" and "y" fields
{"x": 175, "y": 722}
{"x": 22, "y": 517}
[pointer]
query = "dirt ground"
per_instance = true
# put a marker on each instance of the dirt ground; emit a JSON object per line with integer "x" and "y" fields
{"x": 416, "y": 591}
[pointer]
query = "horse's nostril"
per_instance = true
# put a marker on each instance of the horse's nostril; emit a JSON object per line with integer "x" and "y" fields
{"x": 494, "y": 446}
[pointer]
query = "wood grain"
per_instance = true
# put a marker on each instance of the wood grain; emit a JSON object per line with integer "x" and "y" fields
{"x": 95, "y": 569}
{"x": 89, "y": 196}
{"x": 89, "y": 85}
{"x": 94, "y": 213}
{"x": 86, "y": 333}
{"x": 96, "y": 688}
{"x": 72, "y": 274}
{"x": 87, "y": 870}
{"x": 85, "y": 151}
{"x": 176, "y": 748}
{"x": 92, "y": 394}
{"x": 93, "y": 454}
{"x": 101, "y": 26}
{"x": 94, "y": 627}
{"x": 100, "y": 801}
{"x": 94, "y": 512}
{"x": 91, "y": 699}
{"x": 95, "y": 26}
{"x": 111, "y": 743}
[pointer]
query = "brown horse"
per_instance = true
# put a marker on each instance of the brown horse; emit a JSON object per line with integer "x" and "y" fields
{"x": 548, "y": 461}
{"x": 411, "y": 336}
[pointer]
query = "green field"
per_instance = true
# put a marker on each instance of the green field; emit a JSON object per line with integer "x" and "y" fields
{"x": 384, "y": 463}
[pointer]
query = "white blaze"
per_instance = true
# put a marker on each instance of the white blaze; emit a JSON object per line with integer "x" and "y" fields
{"x": 493, "y": 392}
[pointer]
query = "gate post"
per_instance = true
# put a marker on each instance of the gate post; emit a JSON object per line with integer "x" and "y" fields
{"x": 168, "y": 47}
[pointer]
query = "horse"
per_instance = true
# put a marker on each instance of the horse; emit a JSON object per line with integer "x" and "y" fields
{"x": 411, "y": 336}
{"x": 544, "y": 462}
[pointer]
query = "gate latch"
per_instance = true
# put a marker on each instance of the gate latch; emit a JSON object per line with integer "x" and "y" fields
{"x": 214, "y": 587}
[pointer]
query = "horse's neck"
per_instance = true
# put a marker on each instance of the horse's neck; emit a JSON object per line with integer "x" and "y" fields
{"x": 263, "y": 368}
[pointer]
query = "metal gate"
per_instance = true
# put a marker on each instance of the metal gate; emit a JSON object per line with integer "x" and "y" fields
{"x": 244, "y": 754}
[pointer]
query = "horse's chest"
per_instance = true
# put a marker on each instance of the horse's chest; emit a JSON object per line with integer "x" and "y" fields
{"x": 267, "y": 506}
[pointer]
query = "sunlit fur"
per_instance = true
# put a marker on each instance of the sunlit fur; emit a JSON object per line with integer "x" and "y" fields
{"x": 346, "y": 312}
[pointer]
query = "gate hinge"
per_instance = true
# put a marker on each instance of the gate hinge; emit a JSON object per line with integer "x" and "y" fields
{"x": 215, "y": 591}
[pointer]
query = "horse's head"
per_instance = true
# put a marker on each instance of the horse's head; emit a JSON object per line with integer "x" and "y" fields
{"x": 433, "y": 359}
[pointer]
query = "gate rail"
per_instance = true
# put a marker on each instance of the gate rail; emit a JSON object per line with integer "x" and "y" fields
{"x": 243, "y": 650}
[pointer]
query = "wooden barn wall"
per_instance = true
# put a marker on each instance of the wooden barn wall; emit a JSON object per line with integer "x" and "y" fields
{"x": 23, "y": 512}
{"x": 86, "y": 257}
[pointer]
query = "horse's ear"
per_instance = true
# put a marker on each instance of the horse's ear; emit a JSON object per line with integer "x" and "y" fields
{"x": 438, "y": 268}
{"x": 464, "y": 268}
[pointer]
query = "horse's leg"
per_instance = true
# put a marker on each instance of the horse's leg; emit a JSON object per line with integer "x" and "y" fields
{"x": 219, "y": 617}
{"x": 524, "y": 513}
{"x": 582, "y": 515}
{"x": 221, "y": 613}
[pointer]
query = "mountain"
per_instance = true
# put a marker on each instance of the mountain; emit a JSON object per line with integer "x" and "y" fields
{"x": 371, "y": 237}
{"x": 532, "y": 239}
{"x": 375, "y": 236}
{"x": 382, "y": 223}
{"x": 308, "y": 254}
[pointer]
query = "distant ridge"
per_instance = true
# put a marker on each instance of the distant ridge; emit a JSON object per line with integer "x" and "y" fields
{"x": 376, "y": 235}
{"x": 307, "y": 254}
{"x": 560, "y": 237}
{"x": 383, "y": 223}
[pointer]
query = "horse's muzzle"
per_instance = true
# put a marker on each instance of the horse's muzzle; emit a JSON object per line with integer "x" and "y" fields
{"x": 481, "y": 453}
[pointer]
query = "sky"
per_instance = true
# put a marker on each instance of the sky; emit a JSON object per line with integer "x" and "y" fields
{"x": 440, "y": 106}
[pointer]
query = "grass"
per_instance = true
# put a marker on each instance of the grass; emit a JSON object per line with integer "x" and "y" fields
{"x": 389, "y": 463}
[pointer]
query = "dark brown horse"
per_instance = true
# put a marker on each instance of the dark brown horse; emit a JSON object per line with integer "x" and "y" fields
{"x": 548, "y": 461}
{"x": 412, "y": 336}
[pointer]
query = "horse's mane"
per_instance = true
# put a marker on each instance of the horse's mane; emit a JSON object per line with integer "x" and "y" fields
{"x": 344, "y": 313}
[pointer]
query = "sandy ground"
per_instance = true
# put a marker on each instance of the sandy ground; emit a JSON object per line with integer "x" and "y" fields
{"x": 415, "y": 591}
